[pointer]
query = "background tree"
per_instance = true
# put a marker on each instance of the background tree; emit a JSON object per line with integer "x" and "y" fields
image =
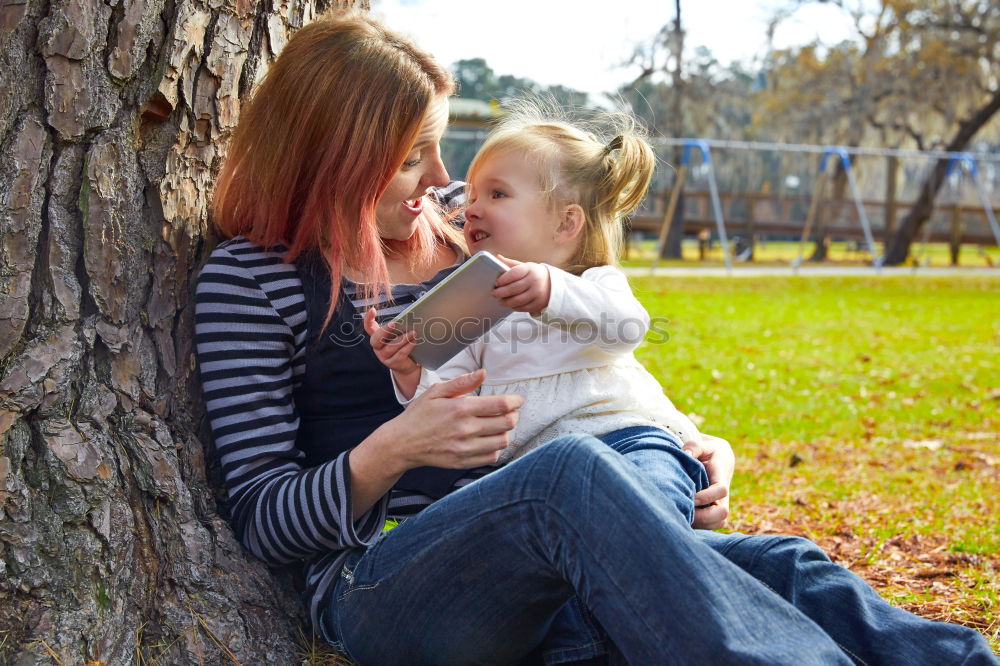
{"x": 677, "y": 97}
{"x": 477, "y": 80}
{"x": 917, "y": 74}
{"x": 113, "y": 120}
{"x": 651, "y": 97}
{"x": 954, "y": 48}
{"x": 827, "y": 96}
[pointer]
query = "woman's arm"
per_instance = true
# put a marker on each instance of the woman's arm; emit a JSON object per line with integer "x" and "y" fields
{"x": 250, "y": 358}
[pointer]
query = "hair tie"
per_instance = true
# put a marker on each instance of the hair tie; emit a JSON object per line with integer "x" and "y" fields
{"x": 613, "y": 145}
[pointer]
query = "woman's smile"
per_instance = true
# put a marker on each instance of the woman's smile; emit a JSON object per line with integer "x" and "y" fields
{"x": 414, "y": 205}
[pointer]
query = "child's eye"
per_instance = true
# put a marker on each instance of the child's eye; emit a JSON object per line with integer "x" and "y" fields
{"x": 497, "y": 194}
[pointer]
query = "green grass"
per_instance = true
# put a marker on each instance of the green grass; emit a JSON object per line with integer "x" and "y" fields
{"x": 865, "y": 413}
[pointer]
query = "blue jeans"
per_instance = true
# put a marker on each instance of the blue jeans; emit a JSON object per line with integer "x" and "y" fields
{"x": 479, "y": 576}
{"x": 864, "y": 625}
{"x": 660, "y": 458}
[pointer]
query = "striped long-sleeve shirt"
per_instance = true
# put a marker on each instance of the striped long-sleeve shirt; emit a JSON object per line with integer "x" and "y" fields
{"x": 250, "y": 336}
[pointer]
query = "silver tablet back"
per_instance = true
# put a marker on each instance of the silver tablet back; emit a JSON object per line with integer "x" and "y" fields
{"x": 456, "y": 312}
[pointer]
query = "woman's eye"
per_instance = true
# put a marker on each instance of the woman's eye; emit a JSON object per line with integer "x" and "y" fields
{"x": 409, "y": 164}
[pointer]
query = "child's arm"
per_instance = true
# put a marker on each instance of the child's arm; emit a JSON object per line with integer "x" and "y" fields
{"x": 525, "y": 287}
{"x": 393, "y": 349}
{"x": 598, "y": 306}
{"x": 600, "y": 295}
{"x": 410, "y": 379}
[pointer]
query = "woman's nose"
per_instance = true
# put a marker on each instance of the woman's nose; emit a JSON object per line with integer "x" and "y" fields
{"x": 437, "y": 174}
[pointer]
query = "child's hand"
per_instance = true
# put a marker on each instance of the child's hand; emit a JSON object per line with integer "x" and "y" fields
{"x": 526, "y": 287}
{"x": 391, "y": 346}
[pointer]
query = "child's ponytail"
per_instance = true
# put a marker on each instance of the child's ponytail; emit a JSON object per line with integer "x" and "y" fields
{"x": 628, "y": 163}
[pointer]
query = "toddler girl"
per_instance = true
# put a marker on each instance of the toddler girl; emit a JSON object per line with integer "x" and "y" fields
{"x": 548, "y": 198}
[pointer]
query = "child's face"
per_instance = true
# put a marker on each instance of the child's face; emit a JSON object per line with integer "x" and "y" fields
{"x": 510, "y": 214}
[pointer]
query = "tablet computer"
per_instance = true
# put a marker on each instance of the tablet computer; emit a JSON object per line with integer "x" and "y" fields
{"x": 456, "y": 312}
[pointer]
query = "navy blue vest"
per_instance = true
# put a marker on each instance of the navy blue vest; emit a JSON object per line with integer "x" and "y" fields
{"x": 346, "y": 393}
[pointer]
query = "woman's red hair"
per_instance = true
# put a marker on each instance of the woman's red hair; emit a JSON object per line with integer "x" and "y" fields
{"x": 319, "y": 141}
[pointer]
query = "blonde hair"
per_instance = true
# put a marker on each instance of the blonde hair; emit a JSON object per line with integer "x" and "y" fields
{"x": 603, "y": 164}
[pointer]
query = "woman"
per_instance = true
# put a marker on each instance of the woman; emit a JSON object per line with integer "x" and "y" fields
{"x": 322, "y": 196}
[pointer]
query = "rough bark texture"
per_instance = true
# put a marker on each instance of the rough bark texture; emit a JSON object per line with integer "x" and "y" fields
{"x": 899, "y": 247}
{"x": 672, "y": 248}
{"x": 113, "y": 119}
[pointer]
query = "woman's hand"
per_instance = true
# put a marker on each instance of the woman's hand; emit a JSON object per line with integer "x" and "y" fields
{"x": 526, "y": 287}
{"x": 712, "y": 503}
{"x": 443, "y": 427}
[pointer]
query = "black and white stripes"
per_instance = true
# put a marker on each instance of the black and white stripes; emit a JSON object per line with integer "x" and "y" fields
{"x": 250, "y": 336}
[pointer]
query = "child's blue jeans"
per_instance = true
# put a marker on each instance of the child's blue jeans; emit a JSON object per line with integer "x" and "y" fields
{"x": 660, "y": 458}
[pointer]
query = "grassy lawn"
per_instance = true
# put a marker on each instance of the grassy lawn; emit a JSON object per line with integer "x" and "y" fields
{"x": 865, "y": 414}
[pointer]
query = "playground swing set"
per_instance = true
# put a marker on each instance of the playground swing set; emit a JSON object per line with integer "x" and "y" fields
{"x": 956, "y": 160}
{"x": 967, "y": 163}
{"x": 675, "y": 192}
{"x": 821, "y": 180}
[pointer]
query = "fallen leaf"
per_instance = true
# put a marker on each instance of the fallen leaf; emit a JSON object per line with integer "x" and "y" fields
{"x": 932, "y": 444}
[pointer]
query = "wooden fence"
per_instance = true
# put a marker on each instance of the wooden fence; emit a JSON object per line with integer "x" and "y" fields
{"x": 754, "y": 213}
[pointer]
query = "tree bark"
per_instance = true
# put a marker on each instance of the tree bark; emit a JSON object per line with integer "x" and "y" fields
{"x": 899, "y": 247}
{"x": 113, "y": 546}
{"x": 672, "y": 248}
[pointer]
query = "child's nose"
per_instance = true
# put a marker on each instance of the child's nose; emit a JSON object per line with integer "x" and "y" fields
{"x": 473, "y": 210}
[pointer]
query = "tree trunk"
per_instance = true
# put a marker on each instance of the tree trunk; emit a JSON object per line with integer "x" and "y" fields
{"x": 899, "y": 247}
{"x": 112, "y": 124}
{"x": 672, "y": 249}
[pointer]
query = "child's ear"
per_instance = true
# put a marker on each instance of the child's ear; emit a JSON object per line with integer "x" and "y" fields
{"x": 571, "y": 222}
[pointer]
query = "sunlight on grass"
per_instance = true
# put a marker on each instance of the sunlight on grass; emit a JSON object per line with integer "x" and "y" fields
{"x": 863, "y": 409}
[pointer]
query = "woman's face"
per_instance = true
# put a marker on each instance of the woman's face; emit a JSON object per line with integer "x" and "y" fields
{"x": 400, "y": 205}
